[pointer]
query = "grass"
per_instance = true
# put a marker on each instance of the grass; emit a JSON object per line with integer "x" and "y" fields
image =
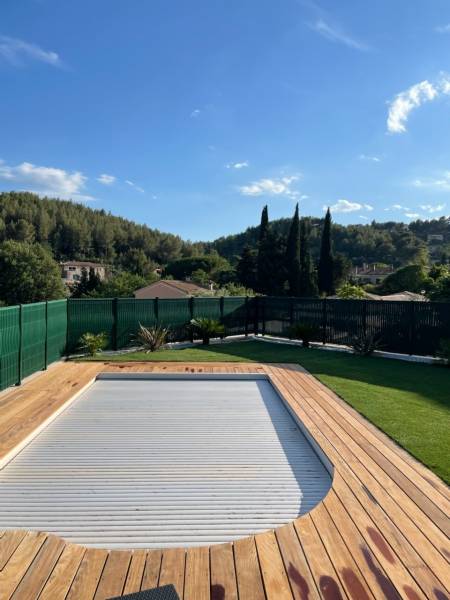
{"x": 408, "y": 401}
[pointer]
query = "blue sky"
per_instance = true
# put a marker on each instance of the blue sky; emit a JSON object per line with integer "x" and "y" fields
{"x": 190, "y": 116}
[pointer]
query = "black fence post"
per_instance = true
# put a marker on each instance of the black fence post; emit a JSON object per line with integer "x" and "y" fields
{"x": 256, "y": 316}
{"x": 46, "y": 338}
{"x": 364, "y": 318}
{"x": 291, "y": 316}
{"x": 191, "y": 313}
{"x": 324, "y": 321}
{"x": 19, "y": 382}
{"x": 246, "y": 316}
{"x": 115, "y": 336}
{"x": 221, "y": 309}
{"x": 263, "y": 315}
{"x": 412, "y": 328}
{"x": 156, "y": 309}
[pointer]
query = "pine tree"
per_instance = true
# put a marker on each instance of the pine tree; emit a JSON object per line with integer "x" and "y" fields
{"x": 292, "y": 262}
{"x": 325, "y": 270}
{"x": 246, "y": 268}
{"x": 308, "y": 284}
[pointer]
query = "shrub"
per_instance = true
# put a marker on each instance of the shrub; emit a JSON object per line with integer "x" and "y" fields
{"x": 365, "y": 344}
{"x": 93, "y": 342}
{"x": 304, "y": 332}
{"x": 207, "y": 328}
{"x": 444, "y": 350}
{"x": 152, "y": 338}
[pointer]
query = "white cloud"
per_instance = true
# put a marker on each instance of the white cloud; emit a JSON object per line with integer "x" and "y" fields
{"x": 106, "y": 179}
{"x": 238, "y": 165}
{"x": 46, "y": 181}
{"x": 443, "y": 28}
{"x": 334, "y": 34}
{"x": 195, "y": 113}
{"x": 411, "y": 215}
{"x": 397, "y": 207}
{"x": 369, "y": 158}
{"x": 430, "y": 208}
{"x": 17, "y": 52}
{"x": 271, "y": 187}
{"x": 134, "y": 186}
{"x": 363, "y": 217}
{"x": 441, "y": 183}
{"x": 405, "y": 102}
{"x": 346, "y": 206}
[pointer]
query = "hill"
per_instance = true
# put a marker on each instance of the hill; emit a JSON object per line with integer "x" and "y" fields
{"x": 76, "y": 232}
{"x": 391, "y": 242}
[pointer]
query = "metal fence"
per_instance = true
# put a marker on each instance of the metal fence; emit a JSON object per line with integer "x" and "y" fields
{"x": 34, "y": 335}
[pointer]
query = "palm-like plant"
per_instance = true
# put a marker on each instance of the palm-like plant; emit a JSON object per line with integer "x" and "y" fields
{"x": 366, "y": 344}
{"x": 207, "y": 328}
{"x": 152, "y": 338}
{"x": 93, "y": 343}
{"x": 304, "y": 332}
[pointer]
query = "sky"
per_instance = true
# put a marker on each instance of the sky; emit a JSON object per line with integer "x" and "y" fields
{"x": 191, "y": 116}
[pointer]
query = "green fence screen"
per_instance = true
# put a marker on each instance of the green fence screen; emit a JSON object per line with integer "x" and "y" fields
{"x": 34, "y": 335}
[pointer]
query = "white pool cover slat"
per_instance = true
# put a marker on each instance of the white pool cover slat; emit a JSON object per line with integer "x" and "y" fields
{"x": 136, "y": 463}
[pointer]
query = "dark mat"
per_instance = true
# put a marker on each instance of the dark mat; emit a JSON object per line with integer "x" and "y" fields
{"x": 166, "y": 592}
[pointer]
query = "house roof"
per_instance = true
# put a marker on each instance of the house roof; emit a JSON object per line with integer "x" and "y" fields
{"x": 399, "y": 297}
{"x": 185, "y": 286}
{"x": 81, "y": 263}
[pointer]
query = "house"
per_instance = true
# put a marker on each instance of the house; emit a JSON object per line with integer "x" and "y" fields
{"x": 169, "y": 288}
{"x": 71, "y": 271}
{"x": 371, "y": 273}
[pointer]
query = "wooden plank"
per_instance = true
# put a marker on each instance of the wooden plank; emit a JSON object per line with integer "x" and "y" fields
{"x": 347, "y": 570}
{"x": 135, "y": 572}
{"x": 197, "y": 583}
{"x": 380, "y": 584}
{"x": 302, "y": 582}
{"x": 8, "y": 543}
{"x": 36, "y": 576}
{"x": 248, "y": 571}
{"x": 276, "y": 583}
{"x": 63, "y": 574}
{"x": 114, "y": 574}
{"x": 18, "y": 564}
{"x": 223, "y": 575}
{"x": 172, "y": 569}
{"x": 320, "y": 564}
{"x": 152, "y": 569}
{"x": 86, "y": 580}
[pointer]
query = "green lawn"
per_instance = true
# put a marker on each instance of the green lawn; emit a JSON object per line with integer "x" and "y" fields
{"x": 408, "y": 401}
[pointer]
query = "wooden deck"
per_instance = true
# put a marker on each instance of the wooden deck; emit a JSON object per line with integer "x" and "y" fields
{"x": 381, "y": 532}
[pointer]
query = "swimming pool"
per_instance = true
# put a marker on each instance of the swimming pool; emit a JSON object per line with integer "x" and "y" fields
{"x": 160, "y": 460}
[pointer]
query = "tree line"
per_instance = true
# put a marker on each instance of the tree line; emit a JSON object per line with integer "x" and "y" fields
{"x": 284, "y": 265}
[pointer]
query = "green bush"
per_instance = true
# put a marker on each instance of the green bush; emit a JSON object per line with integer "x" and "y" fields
{"x": 93, "y": 343}
{"x": 207, "y": 328}
{"x": 304, "y": 332}
{"x": 152, "y": 338}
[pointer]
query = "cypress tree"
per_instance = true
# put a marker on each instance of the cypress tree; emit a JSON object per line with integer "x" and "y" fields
{"x": 263, "y": 258}
{"x": 325, "y": 271}
{"x": 292, "y": 263}
{"x": 264, "y": 226}
{"x": 308, "y": 285}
